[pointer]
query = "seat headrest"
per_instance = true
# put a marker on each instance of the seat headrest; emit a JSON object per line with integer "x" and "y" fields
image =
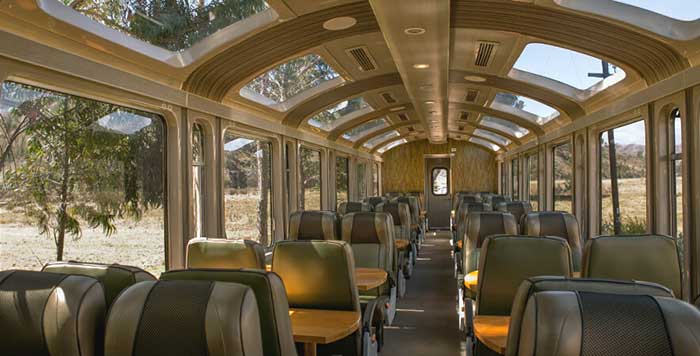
{"x": 367, "y": 228}
{"x": 205, "y": 252}
{"x": 114, "y": 277}
{"x": 271, "y": 298}
{"x": 497, "y": 199}
{"x": 582, "y": 323}
{"x": 652, "y": 258}
{"x": 353, "y": 207}
{"x": 556, "y": 223}
{"x": 43, "y": 314}
{"x": 313, "y": 225}
{"x": 518, "y": 208}
{"x": 400, "y": 212}
{"x": 374, "y": 201}
{"x": 179, "y": 318}
{"x": 483, "y": 224}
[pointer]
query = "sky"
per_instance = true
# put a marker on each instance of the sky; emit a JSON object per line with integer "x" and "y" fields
{"x": 685, "y": 10}
{"x": 633, "y": 133}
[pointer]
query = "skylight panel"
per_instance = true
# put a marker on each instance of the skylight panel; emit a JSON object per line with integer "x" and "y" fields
{"x": 381, "y": 138}
{"x": 365, "y": 129}
{"x": 172, "y": 25}
{"x": 504, "y": 126}
{"x": 566, "y": 66}
{"x": 533, "y": 110}
{"x": 492, "y": 136}
{"x": 392, "y": 145}
{"x": 487, "y": 144}
{"x": 289, "y": 79}
{"x": 684, "y": 10}
{"x": 344, "y": 111}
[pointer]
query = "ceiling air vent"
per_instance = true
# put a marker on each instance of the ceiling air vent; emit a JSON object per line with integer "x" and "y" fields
{"x": 403, "y": 117}
{"x": 464, "y": 115}
{"x": 388, "y": 98}
{"x": 362, "y": 58}
{"x": 471, "y": 96}
{"x": 484, "y": 53}
{"x": 411, "y": 129}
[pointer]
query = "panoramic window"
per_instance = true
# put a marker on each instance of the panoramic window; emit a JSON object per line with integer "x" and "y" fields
{"x": 623, "y": 180}
{"x": 346, "y": 110}
{"x": 375, "y": 179}
{"x": 492, "y": 136}
{"x": 172, "y": 25}
{"x": 440, "y": 181}
{"x": 676, "y": 164}
{"x": 342, "y": 179}
{"x": 288, "y": 80}
{"x": 563, "y": 182}
{"x": 247, "y": 188}
{"x": 81, "y": 180}
{"x": 392, "y": 145}
{"x": 381, "y": 138}
{"x": 504, "y": 126}
{"x": 504, "y": 179}
{"x": 533, "y": 192}
{"x": 361, "y": 180}
{"x": 514, "y": 179}
{"x": 198, "y": 178}
{"x": 572, "y": 68}
{"x": 310, "y": 179}
{"x": 480, "y": 141}
{"x": 683, "y": 10}
{"x": 525, "y": 107}
{"x": 365, "y": 129}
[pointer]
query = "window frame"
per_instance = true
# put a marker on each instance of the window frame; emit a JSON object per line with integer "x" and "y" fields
{"x": 447, "y": 181}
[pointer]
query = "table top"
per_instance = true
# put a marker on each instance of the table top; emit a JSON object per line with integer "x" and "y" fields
{"x": 369, "y": 278}
{"x": 492, "y": 331}
{"x": 322, "y": 326}
{"x": 401, "y": 244}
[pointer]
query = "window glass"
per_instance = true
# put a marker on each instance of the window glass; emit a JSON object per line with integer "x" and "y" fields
{"x": 344, "y": 111}
{"x": 525, "y": 107}
{"x": 440, "y": 181}
{"x": 361, "y": 180}
{"x": 392, "y": 145}
{"x": 514, "y": 182}
{"x": 381, "y": 138}
{"x": 198, "y": 178}
{"x": 247, "y": 188}
{"x": 504, "y": 126}
{"x": 172, "y": 25}
{"x": 492, "y": 136}
{"x": 375, "y": 179}
{"x": 566, "y": 66}
{"x": 562, "y": 166}
{"x": 289, "y": 79}
{"x": 341, "y": 179}
{"x": 533, "y": 182}
{"x": 504, "y": 179}
{"x": 80, "y": 180}
{"x": 683, "y": 10}
{"x": 480, "y": 141}
{"x": 365, "y": 129}
{"x": 677, "y": 176}
{"x": 623, "y": 180}
{"x": 310, "y": 179}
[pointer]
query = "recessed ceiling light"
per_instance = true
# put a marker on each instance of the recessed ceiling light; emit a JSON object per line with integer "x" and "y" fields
{"x": 414, "y": 31}
{"x": 474, "y": 78}
{"x": 430, "y": 102}
{"x": 433, "y": 112}
{"x": 421, "y": 66}
{"x": 340, "y": 23}
{"x": 398, "y": 108}
{"x": 426, "y": 87}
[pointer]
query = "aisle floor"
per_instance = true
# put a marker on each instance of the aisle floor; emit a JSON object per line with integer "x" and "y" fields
{"x": 426, "y": 323}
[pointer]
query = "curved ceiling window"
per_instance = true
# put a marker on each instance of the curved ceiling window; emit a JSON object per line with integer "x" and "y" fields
{"x": 683, "y": 10}
{"x": 574, "y": 69}
{"x": 487, "y": 144}
{"x": 171, "y": 25}
{"x": 392, "y": 145}
{"x": 504, "y": 126}
{"x": 492, "y": 136}
{"x": 524, "y": 107}
{"x": 290, "y": 80}
{"x": 381, "y": 138}
{"x": 342, "y": 112}
{"x": 365, "y": 129}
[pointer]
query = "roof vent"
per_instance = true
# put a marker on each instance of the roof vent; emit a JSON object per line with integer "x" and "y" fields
{"x": 403, "y": 117}
{"x": 484, "y": 53}
{"x": 362, "y": 58}
{"x": 464, "y": 116}
{"x": 388, "y": 97}
{"x": 471, "y": 96}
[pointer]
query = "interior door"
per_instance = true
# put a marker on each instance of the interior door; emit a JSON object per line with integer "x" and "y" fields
{"x": 437, "y": 192}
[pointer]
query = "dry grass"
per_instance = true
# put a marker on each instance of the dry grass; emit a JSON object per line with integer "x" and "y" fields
{"x": 241, "y": 216}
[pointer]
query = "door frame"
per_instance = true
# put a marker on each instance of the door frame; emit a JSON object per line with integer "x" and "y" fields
{"x": 428, "y": 183}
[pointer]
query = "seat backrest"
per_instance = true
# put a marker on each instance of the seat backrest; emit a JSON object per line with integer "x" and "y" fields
{"x": 497, "y": 199}
{"x": 550, "y": 283}
{"x": 114, "y": 278}
{"x": 401, "y": 216}
{"x": 313, "y": 225}
{"x": 518, "y": 208}
{"x": 179, "y": 318}
{"x": 575, "y": 323}
{"x": 374, "y": 201}
{"x": 651, "y": 258}
{"x": 464, "y": 211}
{"x": 270, "y": 295}
{"x": 456, "y": 198}
{"x": 204, "y": 252}
{"x": 44, "y": 314}
{"x": 478, "y": 226}
{"x": 556, "y": 223}
{"x": 353, "y": 207}
{"x": 506, "y": 261}
{"x": 317, "y": 274}
{"x": 413, "y": 207}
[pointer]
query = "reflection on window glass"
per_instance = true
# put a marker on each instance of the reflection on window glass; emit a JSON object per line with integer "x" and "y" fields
{"x": 361, "y": 180}
{"x": 566, "y": 66}
{"x": 490, "y": 145}
{"x": 532, "y": 181}
{"x": 514, "y": 179}
{"x": 381, "y": 138}
{"x": 676, "y": 164}
{"x": 504, "y": 126}
{"x": 341, "y": 179}
{"x": 392, "y": 145}
{"x": 562, "y": 166}
{"x": 365, "y": 129}
{"x": 80, "y": 180}
{"x": 346, "y": 110}
{"x": 198, "y": 178}
{"x": 375, "y": 179}
{"x": 310, "y": 179}
{"x": 683, "y": 10}
{"x": 173, "y": 25}
{"x": 525, "y": 107}
{"x": 440, "y": 181}
{"x": 247, "y": 188}
{"x": 492, "y": 136}
{"x": 623, "y": 180}
{"x": 288, "y": 80}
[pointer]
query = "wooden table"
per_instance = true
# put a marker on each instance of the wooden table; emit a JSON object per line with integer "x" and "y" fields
{"x": 369, "y": 278}
{"x": 317, "y": 326}
{"x": 401, "y": 244}
{"x": 492, "y": 331}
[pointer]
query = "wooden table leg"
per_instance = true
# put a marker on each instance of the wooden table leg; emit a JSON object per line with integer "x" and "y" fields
{"x": 309, "y": 349}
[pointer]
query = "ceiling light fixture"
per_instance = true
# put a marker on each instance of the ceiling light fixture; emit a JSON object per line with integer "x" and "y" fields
{"x": 398, "y": 108}
{"x": 340, "y": 23}
{"x": 430, "y": 102}
{"x": 414, "y": 31}
{"x": 421, "y": 66}
{"x": 474, "y": 78}
{"x": 426, "y": 87}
